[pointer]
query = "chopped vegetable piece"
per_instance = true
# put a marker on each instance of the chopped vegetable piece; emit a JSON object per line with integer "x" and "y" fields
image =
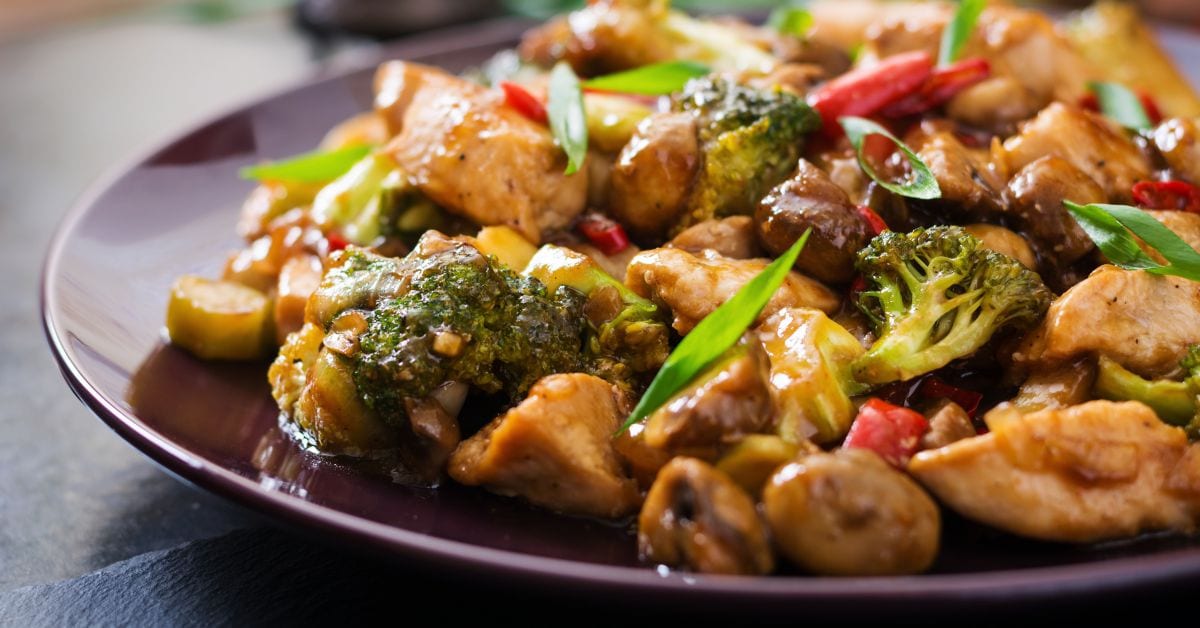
{"x": 314, "y": 167}
{"x": 921, "y": 185}
{"x": 874, "y": 220}
{"x": 1110, "y": 227}
{"x": 1173, "y": 402}
{"x": 752, "y": 461}
{"x": 605, "y": 233}
{"x": 793, "y": 21}
{"x": 715, "y": 334}
{"x": 945, "y": 83}
{"x": 652, "y": 80}
{"x": 959, "y": 30}
{"x": 568, "y": 122}
{"x": 507, "y": 245}
{"x": 866, "y": 91}
{"x": 1178, "y": 195}
{"x": 893, "y": 432}
{"x": 219, "y": 320}
{"x": 519, "y": 98}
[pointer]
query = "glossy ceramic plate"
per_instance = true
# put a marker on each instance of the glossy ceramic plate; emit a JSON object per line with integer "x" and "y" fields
{"x": 173, "y": 212}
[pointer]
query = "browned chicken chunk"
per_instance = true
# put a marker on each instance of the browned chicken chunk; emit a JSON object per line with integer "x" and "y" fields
{"x": 969, "y": 186}
{"x": 692, "y": 286}
{"x": 1086, "y": 141}
{"x": 472, "y": 154}
{"x": 554, "y": 449}
{"x": 1144, "y": 322}
{"x": 696, "y": 517}
{"x": 731, "y": 237}
{"x": 850, "y": 513}
{"x": 1175, "y": 140}
{"x": 1095, "y": 471}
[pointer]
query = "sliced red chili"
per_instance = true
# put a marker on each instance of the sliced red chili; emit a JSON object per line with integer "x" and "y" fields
{"x": 874, "y": 221}
{"x": 336, "y": 241}
{"x": 942, "y": 85}
{"x": 1177, "y": 195}
{"x": 526, "y": 103}
{"x": 937, "y": 388}
{"x": 893, "y": 432}
{"x": 604, "y": 233}
{"x": 868, "y": 90}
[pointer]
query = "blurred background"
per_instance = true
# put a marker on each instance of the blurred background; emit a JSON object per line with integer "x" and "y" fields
{"x": 84, "y": 85}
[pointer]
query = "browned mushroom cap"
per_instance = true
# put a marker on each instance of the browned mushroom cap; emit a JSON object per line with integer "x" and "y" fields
{"x": 654, "y": 172}
{"x": 849, "y": 513}
{"x": 811, "y": 199}
{"x": 728, "y": 401}
{"x": 696, "y": 517}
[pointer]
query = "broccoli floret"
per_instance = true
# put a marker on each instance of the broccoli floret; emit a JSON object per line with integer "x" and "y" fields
{"x": 466, "y": 319}
{"x": 372, "y": 200}
{"x": 934, "y": 295}
{"x": 626, "y": 336}
{"x": 751, "y": 139}
{"x": 1191, "y": 368}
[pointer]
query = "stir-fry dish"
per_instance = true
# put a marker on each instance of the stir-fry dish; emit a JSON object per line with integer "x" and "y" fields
{"x": 774, "y": 294}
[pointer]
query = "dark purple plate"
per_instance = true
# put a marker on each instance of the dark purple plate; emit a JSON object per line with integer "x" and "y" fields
{"x": 173, "y": 212}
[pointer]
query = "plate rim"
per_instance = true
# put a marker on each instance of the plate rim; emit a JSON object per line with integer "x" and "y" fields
{"x": 1034, "y": 584}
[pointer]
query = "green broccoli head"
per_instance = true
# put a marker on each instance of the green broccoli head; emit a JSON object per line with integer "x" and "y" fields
{"x": 464, "y": 318}
{"x": 626, "y": 335}
{"x": 375, "y": 199}
{"x": 934, "y": 296}
{"x": 751, "y": 139}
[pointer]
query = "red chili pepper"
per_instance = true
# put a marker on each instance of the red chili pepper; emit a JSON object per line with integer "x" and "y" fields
{"x": 336, "y": 241}
{"x": 893, "y": 432}
{"x": 1153, "y": 113}
{"x": 605, "y": 233}
{"x": 526, "y": 103}
{"x": 937, "y": 388}
{"x": 942, "y": 85}
{"x": 866, "y": 91}
{"x": 1177, "y": 195}
{"x": 874, "y": 221}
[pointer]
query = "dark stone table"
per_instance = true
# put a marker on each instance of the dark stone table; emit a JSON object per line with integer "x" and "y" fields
{"x": 91, "y": 532}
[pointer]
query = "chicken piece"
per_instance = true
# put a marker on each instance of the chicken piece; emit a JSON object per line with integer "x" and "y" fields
{"x": 1031, "y": 63}
{"x": 1037, "y": 192}
{"x": 730, "y": 400}
{"x": 1175, "y": 140}
{"x": 298, "y": 280}
{"x": 733, "y": 237}
{"x": 1142, "y": 321}
{"x": 1086, "y": 141}
{"x": 642, "y": 460}
{"x": 692, "y": 286}
{"x": 475, "y": 156}
{"x": 654, "y": 172}
{"x": 969, "y": 186}
{"x": 948, "y": 423}
{"x": 1100, "y": 470}
{"x": 601, "y": 38}
{"x": 1185, "y": 224}
{"x": 849, "y": 513}
{"x": 698, "y": 518}
{"x": 554, "y": 449}
{"x": 1005, "y": 242}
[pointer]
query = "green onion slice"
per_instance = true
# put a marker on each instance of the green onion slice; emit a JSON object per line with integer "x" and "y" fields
{"x": 921, "y": 185}
{"x": 793, "y": 21}
{"x": 715, "y": 334}
{"x": 651, "y": 80}
{"x": 1113, "y": 227}
{"x": 568, "y": 123}
{"x": 314, "y": 167}
{"x": 959, "y": 30}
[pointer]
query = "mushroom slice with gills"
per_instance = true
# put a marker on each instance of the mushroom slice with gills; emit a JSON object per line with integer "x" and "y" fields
{"x": 692, "y": 286}
{"x": 849, "y": 513}
{"x": 1095, "y": 471}
{"x": 697, "y": 518}
{"x": 733, "y": 237}
{"x": 435, "y": 430}
{"x": 811, "y": 200}
{"x": 653, "y": 173}
{"x": 1144, "y": 322}
{"x": 554, "y": 449}
{"x": 475, "y": 156}
{"x": 1085, "y": 140}
{"x": 726, "y": 402}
